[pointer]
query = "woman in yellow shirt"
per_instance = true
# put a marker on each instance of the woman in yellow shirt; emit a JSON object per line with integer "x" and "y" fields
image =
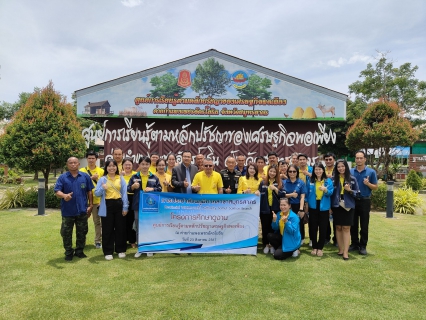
{"x": 130, "y": 217}
{"x": 171, "y": 163}
{"x": 250, "y": 182}
{"x": 165, "y": 178}
{"x": 113, "y": 209}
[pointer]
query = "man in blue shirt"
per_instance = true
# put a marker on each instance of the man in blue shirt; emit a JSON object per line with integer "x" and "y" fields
{"x": 367, "y": 181}
{"x": 74, "y": 188}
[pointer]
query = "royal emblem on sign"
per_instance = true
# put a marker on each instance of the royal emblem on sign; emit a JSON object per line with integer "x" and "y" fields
{"x": 184, "y": 79}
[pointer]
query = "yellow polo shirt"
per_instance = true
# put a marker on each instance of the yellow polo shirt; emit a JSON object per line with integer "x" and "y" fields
{"x": 112, "y": 193}
{"x": 209, "y": 185}
{"x": 163, "y": 178}
{"x": 251, "y": 183}
{"x": 100, "y": 172}
{"x": 152, "y": 169}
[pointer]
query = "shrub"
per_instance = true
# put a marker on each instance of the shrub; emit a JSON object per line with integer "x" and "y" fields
{"x": 31, "y": 199}
{"x": 12, "y": 198}
{"x": 378, "y": 197}
{"x": 51, "y": 200}
{"x": 424, "y": 184}
{"x": 406, "y": 200}
{"x": 413, "y": 180}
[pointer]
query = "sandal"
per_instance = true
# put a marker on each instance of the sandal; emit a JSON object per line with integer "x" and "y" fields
{"x": 320, "y": 253}
{"x": 314, "y": 252}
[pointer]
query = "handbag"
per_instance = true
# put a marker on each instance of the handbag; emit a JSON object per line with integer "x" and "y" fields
{"x": 342, "y": 204}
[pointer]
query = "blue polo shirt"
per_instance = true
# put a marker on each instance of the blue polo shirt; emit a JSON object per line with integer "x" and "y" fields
{"x": 79, "y": 186}
{"x": 359, "y": 176}
{"x": 297, "y": 186}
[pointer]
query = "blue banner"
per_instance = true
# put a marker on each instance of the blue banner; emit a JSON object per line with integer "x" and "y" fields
{"x": 192, "y": 223}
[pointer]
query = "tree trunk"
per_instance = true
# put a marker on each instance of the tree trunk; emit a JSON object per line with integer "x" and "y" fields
{"x": 46, "y": 177}
{"x": 36, "y": 175}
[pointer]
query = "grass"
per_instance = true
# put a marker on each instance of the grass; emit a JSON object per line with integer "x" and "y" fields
{"x": 36, "y": 282}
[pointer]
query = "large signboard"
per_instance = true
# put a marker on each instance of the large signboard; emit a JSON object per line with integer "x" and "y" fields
{"x": 176, "y": 223}
{"x": 214, "y": 139}
{"x": 211, "y": 88}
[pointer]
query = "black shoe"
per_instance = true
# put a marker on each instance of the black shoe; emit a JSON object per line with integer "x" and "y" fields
{"x": 80, "y": 255}
{"x": 353, "y": 248}
{"x": 363, "y": 251}
{"x": 69, "y": 257}
{"x": 346, "y": 259}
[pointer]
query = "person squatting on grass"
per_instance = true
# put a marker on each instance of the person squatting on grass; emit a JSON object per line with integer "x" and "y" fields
{"x": 74, "y": 188}
{"x": 285, "y": 237}
{"x": 320, "y": 191}
{"x": 112, "y": 189}
{"x": 142, "y": 181}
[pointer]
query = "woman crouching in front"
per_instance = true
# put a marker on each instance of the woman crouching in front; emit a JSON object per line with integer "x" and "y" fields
{"x": 112, "y": 189}
{"x": 286, "y": 238}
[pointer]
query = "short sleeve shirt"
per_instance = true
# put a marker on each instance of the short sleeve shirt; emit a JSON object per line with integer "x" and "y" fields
{"x": 209, "y": 185}
{"x": 79, "y": 186}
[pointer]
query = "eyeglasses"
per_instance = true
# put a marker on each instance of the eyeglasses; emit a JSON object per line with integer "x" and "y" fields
{"x": 291, "y": 171}
{"x": 208, "y": 165}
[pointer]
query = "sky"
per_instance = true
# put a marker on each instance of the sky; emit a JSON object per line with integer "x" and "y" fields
{"x": 80, "y": 43}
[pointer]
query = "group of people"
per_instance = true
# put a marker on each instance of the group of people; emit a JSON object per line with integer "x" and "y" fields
{"x": 291, "y": 192}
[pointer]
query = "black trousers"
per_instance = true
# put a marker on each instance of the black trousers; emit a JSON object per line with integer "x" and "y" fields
{"x": 114, "y": 228}
{"x": 275, "y": 239}
{"x": 266, "y": 221}
{"x": 318, "y": 221}
{"x": 295, "y": 208}
{"x": 361, "y": 219}
{"x": 130, "y": 218}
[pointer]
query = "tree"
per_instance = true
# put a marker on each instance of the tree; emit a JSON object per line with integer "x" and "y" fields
{"x": 354, "y": 110}
{"x": 166, "y": 86}
{"x": 256, "y": 88}
{"x": 44, "y": 133}
{"x": 381, "y": 128}
{"x": 384, "y": 81}
{"x": 7, "y": 109}
{"x": 211, "y": 78}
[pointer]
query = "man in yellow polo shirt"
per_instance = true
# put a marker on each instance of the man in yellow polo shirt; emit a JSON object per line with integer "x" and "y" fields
{"x": 207, "y": 181}
{"x": 95, "y": 173}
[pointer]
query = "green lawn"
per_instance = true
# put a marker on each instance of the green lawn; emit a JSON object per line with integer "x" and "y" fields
{"x": 36, "y": 282}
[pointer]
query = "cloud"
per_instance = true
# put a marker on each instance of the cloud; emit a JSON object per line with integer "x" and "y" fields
{"x": 356, "y": 57}
{"x": 131, "y": 3}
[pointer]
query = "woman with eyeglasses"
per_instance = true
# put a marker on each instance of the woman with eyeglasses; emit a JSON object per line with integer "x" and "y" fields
{"x": 343, "y": 204}
{"x": 296, "y": 192}
{"x": 320, "y": 191}
{"x": 250, "y": 182}
{"x": 271, "y": 190}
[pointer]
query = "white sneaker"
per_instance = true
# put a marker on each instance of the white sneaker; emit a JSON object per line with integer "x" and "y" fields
{"x": 149, "y": 254}
{"x": 272, "y": 250}
{"x": 138, "y": 254}
{"x": 109, "y": 257}
{"x": 122, "y": 255}
{"x": 266, "y": 250}
{"x": 310, "y": 243}
{"x": 295, "y": 254}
